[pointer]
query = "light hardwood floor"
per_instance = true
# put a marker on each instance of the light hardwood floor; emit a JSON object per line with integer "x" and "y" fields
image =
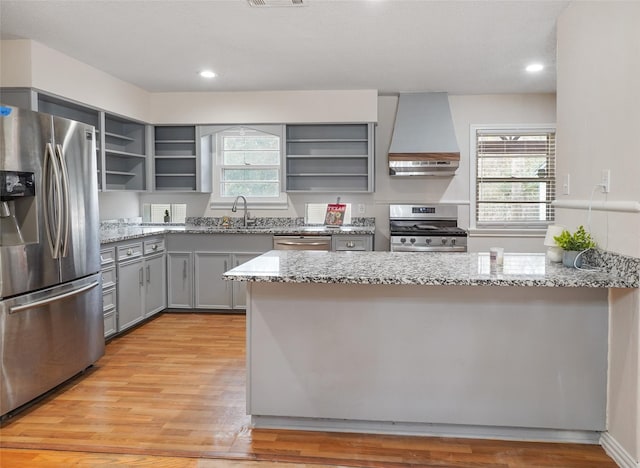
{"x": 171, "y": 393}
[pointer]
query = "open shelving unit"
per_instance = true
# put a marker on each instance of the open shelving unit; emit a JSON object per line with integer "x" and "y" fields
{"x": 124, "y": 154}
{"x": 329, "y": 158}
{"x": 175, "y": 158}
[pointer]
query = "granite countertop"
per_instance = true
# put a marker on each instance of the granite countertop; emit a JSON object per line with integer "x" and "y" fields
{"x": 435, "y": 268}
{"x": 116, "y": 233}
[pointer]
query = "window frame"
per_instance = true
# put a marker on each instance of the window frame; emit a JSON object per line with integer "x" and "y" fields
{"x": 497, "y": 227}
{"x": 216, "y": 199}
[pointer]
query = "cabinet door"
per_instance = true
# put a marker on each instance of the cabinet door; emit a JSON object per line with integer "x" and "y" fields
{"x": 180, "y": 284}
{"x": 155, "y": 284}
{"x": 130, "y": 293}
{"x": 240, "y": 288}
{"x": 212, "y": 292}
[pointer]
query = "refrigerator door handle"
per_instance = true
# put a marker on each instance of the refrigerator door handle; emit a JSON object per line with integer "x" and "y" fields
{"x": 51, "y": 194}
{"x": 49, "y": 300}
{"x": 65, "y": 200}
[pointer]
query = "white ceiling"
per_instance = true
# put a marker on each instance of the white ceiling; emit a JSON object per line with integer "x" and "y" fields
{"x": 462, "y": 47}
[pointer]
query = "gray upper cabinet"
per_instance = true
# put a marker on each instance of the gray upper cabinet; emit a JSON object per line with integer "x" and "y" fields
{"x": 330, "y": 158}
{"x": 124, "y": 154}
{"x": 177, "y": 160}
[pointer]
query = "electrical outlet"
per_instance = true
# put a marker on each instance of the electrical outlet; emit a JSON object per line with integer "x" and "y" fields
{"x": 361, "y": 208}
{"x": 566, "y": 189}
{"x": 605, "y": 181}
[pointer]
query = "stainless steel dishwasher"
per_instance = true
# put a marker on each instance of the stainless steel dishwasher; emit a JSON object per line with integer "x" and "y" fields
{"x": 302, "y": 242}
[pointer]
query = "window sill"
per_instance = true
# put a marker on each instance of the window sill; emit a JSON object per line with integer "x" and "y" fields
{"x": 476, "y": 232}
{"x": 251, "y": 204}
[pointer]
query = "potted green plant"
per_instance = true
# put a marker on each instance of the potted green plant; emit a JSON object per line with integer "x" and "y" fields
{"x": 573, "y": 245}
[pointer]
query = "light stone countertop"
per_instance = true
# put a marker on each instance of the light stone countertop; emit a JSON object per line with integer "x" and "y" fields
{"x": 128, "y": 232}
{"x": 416, "y": 268}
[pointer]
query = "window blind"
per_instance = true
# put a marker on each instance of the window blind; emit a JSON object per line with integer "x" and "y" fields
{"x": 515, "y": 178}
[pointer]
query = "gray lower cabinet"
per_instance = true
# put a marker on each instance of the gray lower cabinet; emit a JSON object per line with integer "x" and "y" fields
{"x": 109, "y": 292}
{"x": 209, "y": 292}
{"x": 351, "y": 242}
{"x": 239, "y": 291}
{"x": 131, "y": 290}
{"x": 180, "y": 280}
{"x": 196, "y": 263}
{"x": 141, "y": 273}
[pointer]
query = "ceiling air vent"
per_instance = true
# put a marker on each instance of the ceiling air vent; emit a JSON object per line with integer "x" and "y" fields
{"x": 275, "y": 3}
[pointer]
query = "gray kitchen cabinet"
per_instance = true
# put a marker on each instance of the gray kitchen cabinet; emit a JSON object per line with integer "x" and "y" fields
{"x": 109, "y": 292}
{"x": 130, "y": 293}
{"x": 196, "y": 264}
{"x": 349, "y": 242}
{"x": 125, "y": 158}
{"x": 155, "y": 274}
{"x": 239, "y": 289}
{"x": 330, "y": 158}
{"x": 177, "y": 160}
{"x": 179, "y": 279}
{"x": 141, "y": 273}
{"x": 211, "y": 291}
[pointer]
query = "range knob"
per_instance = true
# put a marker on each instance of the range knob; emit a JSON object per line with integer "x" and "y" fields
{"x": 453, "y": 242}
{"x": 427, "y": 240}
{"x": 444, "y": 240}
{"x": 412, "y": 240}
{"x": 403, "y": 240}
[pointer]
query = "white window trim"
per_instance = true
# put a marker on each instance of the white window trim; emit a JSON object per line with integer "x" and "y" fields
{"x": 216, "y": 201}
{"x": 473, "y": 164}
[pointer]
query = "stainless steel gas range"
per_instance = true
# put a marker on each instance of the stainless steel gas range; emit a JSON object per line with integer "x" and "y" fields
{"x": 426, "y": 228}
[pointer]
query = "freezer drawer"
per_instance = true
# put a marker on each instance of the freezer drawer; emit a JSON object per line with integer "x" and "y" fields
{"x": 47, "y": 338}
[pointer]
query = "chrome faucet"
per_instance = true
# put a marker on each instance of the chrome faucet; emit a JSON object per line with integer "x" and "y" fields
{"x": 234, "y": 208}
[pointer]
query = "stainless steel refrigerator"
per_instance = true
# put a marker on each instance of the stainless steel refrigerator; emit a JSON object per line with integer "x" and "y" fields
{"x": 51, "y": 321}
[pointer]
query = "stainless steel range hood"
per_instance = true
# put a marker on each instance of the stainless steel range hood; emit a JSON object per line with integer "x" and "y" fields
{"x": 424, "y": 141}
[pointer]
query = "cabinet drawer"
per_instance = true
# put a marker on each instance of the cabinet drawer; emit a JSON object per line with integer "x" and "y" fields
{"x": 152, "y": 246}
{"x": 107, "y": 256}
{"x": 126, "y": 252}
{"x": 110, "y": 323}
{"x": 352, "y": 243}
{"x": 108, "y": 277}
{"x": 109, "y": 299}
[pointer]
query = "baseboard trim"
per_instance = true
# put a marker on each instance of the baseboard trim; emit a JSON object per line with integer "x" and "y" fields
{"x": 616, "y": 451}
{"x": 423, "y": 429}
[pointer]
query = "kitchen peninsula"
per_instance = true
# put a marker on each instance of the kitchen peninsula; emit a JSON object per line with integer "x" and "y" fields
{"x": 427, "y": 343}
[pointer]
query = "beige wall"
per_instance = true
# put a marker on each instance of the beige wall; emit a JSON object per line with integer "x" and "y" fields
{"x": 598, "y": 121}
{"x": 466, "y": 110}
{"x": 265, "y": 107}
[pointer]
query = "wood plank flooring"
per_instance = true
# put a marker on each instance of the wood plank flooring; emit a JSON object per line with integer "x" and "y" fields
{"x": 171, "y": 393}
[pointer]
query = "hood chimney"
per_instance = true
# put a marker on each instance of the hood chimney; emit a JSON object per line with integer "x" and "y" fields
{"x": 424, "y": 141}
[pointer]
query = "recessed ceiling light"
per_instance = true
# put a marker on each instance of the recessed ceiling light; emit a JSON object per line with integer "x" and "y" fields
{"x": 535, "y": 67}
{"x": 207, "y": 74}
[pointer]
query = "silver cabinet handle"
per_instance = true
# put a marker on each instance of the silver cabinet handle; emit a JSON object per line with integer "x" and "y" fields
{"x": 301, "y": 243}
{"x": 50, "y": 300}
{"x": 184, "y": 270}
{"x": 225, "y": 265}
{"x": 351, "y": 244}
{"x": 129, "y": 252}
{"x": 141, "y": 276}
{"x": 148, "y": 274}
{"x": 155, "y": 247}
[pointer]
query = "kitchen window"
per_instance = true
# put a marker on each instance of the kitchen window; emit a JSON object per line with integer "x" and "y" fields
{"x": 248, "y": 162}
{"x": 514, "y": 177}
